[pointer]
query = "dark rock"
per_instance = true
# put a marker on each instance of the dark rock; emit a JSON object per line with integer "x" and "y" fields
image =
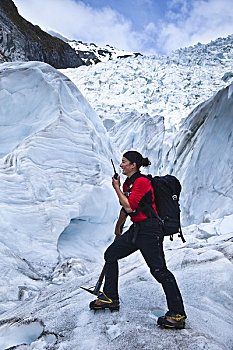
{"x": 137, "y": 54}
{"x": 22, "y": 41}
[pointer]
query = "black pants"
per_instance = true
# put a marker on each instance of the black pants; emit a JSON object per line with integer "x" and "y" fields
{"x": 148, "y": 238}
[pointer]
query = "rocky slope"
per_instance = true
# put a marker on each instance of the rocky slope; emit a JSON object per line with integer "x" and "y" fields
{"x": 22, "y": 41}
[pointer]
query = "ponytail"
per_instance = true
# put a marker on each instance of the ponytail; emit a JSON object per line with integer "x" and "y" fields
{"x": 145, "y": 162}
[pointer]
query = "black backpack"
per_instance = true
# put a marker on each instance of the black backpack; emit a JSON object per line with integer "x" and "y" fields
{"x": 167, "y": 193}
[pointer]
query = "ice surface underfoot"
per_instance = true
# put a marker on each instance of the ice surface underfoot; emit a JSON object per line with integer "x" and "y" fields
{"x": 203, "y": 268}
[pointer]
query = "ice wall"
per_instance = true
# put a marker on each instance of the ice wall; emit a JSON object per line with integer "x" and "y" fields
{"x": 203, "y": 159}
{"x": 55, "y": 167}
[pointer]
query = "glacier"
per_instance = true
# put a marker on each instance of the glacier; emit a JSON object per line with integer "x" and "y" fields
{"x": 58, "y": 208}
{"x": 172, "y": 110}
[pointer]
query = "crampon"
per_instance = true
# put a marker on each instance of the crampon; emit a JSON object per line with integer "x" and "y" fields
{"x": 103, "y": 302}
{"x": 171, "y": 320}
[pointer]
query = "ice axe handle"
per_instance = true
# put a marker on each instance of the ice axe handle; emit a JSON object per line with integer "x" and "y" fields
{"x": 99, "y": 282}
{"x": 114, "y": 169}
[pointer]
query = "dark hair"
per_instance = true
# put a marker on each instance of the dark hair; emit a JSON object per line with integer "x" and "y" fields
{"x": 136, "y": 157}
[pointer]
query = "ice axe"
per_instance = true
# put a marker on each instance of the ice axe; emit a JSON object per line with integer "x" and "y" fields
{"x": 97, "y": 287}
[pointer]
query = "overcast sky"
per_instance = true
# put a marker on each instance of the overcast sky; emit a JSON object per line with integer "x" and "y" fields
{"x": 147, "y": 26}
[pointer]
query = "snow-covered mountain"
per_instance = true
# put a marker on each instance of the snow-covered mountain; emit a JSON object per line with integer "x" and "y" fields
{"x": 58, "y": 208}
{"x": 92, "y": 53}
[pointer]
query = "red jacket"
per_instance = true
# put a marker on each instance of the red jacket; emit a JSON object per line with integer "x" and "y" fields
{"x": 134, "y": 192}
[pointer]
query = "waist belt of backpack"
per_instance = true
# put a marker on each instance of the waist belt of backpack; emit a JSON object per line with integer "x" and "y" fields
{"x": 153, "y": 213}
{"x": 161, "y": 221}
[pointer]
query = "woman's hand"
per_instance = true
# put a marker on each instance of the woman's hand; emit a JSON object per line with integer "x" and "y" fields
{"x": 116, "y": 182}
{"x": 118, "y": 231}
{"x": 122, "y": 198}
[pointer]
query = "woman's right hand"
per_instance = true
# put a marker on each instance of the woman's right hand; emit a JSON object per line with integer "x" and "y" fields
{"x": 118, "y": 231}
{"x": 116, "y": 182}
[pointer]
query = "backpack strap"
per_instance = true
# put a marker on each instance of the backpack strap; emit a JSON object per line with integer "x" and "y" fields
{"x": 130, "y": 181}
{"x": 181, "y": 235}
{"x": 145, "y": 206}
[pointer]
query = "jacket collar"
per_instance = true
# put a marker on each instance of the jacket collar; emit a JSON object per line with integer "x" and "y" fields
{"x": 132, "y": 178}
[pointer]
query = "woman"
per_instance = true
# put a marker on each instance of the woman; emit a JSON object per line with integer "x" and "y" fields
{"x": 145, "y": 234}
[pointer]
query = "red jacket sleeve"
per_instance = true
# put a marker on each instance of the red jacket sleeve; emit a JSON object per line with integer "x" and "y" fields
{"x": 140, "y": 187}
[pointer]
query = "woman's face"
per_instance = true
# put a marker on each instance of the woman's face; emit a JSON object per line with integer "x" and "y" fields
{"x": 127, "y": 167}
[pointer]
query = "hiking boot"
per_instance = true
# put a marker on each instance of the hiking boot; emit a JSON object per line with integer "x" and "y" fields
{"x": 172, "y": 320}
{"x": 104, "y": 302}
